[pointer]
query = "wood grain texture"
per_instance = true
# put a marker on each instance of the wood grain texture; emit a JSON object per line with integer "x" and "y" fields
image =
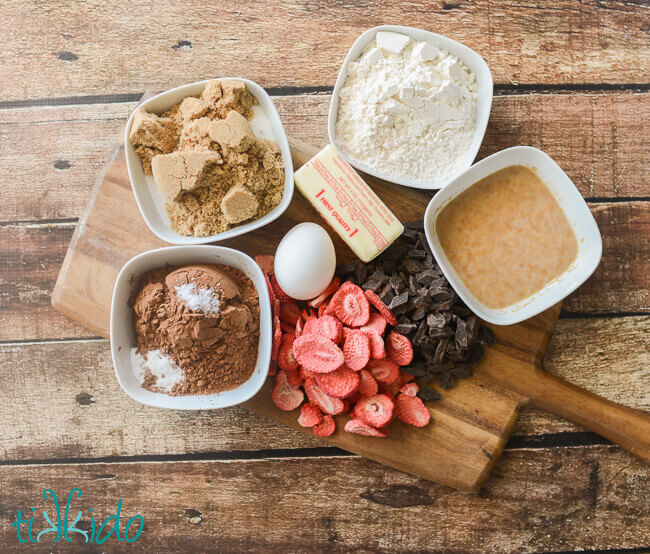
{"x": 53, "y": 154}
{"x": 33, "y": 255}
{"x": 89, "y": 416}
{"x": 81, "y": 48}
{"x": 538, "y": 500}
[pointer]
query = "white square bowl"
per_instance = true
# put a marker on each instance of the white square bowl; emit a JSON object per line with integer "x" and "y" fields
{"x": 123, "y": 334}
{"x": 590, "y": 246}
{"x": 265, "y": 122}
{"x": 468, "y": 56}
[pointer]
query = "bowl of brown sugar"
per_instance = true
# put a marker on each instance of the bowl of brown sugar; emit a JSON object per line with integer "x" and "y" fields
{"x": 208, "y": 161}
{"x": 191, "y": 327}
{"x": 513, "y": 235}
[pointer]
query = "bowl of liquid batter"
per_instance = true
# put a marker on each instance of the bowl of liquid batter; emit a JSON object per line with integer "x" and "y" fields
{"x": 513, "y": 235}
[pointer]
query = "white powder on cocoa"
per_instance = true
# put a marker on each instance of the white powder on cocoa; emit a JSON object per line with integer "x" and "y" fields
{"x": 166, "y": 373}
{"x": 410, "y": 114}
{"x": 206, "y": 301}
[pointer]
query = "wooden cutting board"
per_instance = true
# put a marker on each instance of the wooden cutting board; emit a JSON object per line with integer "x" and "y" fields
{"x": 471, "y": 423}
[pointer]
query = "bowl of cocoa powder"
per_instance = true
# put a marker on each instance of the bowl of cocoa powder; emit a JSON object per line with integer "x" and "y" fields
{"x": 191, "y": 327}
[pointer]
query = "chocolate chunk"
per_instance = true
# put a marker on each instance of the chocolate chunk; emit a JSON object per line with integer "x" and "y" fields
{"x": 422, "y": 302}
{"x": 425, "y": 277}
{"x": 417, "y": 370}
{"x": 441, "y": 350}
{"x": 420, "y": 334}
{"x": 410, "y": 234}
{"x": 372, "y": 285}
{"x": 477, "y": 354}
{"x": 399, "y": 300}
{"x": 417, "y": 224}
{"x": 463, "y": 311}
{"x": 486, "y": 336}
{"x": 379, "y": 276}
{"x": 440, "y": 295}
{"x": 412, "y": 266}
{"x": 428, "y": 394}
{"x": 417, "y": 254}
{"x": 437, "y": 332}
{"x": 438, "y": 320}
{"x": 461, "y": 334}
{"x": 396, "y": 282}
{"x": 441, "y": 368}
{"x": 418, "y": 314}
{"x": 360, "y": 272}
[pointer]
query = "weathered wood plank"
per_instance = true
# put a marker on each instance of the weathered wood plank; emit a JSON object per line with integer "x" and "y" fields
{"x": 536, "y": 500}
{"x": 56, "y": 49}
{"x": 33, "y": 254}
{"x": 88, "y": 415}
{"x": 52, "y": 155}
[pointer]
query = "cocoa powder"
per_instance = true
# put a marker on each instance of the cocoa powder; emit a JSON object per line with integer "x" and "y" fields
{"x": 215, "y": 348}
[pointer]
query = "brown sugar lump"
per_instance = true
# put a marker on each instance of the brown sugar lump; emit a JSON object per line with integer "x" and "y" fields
{"x": 229, "y": 94}
{"x": 232, "y": 132}
{"x": 152, "y": 135}
{"x": 156, "y": 132}
{"x": 193, "y": 108}
{"x": 239, "y": 204}
{"x": 181, "y": 172}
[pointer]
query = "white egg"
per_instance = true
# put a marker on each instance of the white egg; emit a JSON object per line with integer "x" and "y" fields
{"x": 305, "y": 261}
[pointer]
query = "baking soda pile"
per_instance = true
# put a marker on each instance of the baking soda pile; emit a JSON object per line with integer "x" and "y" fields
{"x": 338, "y": 356}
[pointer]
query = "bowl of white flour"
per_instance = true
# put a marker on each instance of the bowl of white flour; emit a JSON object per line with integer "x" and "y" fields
{"x": 410, "y": 106}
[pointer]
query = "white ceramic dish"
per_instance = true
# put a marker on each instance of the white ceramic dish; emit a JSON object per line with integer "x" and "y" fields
{"x": 265, "y": 123}
{"x": 122, "y": 333}
{"x": 584, "y": 226}
{"x": 468, "y": 56}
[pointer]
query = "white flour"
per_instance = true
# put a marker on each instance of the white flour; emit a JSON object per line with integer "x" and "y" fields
{"x": 161, "y": 366}
{"x": 201, "y": 300}
{"x": 409, "y": 114}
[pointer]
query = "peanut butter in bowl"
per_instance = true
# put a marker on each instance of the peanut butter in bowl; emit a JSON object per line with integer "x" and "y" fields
{"x": 506, "y": 236}
{"x": 513, "y": 235}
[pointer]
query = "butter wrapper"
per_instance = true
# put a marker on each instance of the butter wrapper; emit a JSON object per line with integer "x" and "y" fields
{"x": 348, "y": 204}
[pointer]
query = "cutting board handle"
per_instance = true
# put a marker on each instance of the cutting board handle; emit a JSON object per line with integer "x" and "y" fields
{"x": 624, "y": 426}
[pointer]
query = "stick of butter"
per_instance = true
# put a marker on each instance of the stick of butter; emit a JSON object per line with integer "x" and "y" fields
{"x": 348, "y": 204}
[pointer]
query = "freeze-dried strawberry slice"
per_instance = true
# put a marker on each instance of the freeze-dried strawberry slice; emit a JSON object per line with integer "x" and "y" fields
{"x": 322, "y": 309}
{"x": 410, "y": 389}
{"x": 349, "y": 305}
{"x": 377, "y": 348}
{"x": 317, "y": 353}
{"x": 399, "y": 348}
{"x": 326, "y": 326}
{"x": 286, "y": 359}
{"x": 265, "y": 261}
{"x": 411, "y": 410}
{"x": 384, "y": 371}
{"x": 325, "y": 402}
{"x": 358, "y": 427}
{"x": 284, "y": 395}
{"x": 287, "y": 329}
{"x": 273, "y": 367}
{"x": 367, "y": 384}
{"x": 308, "y": 313}
{"x": 293, "y": 377}
{"x": 381, "y": 307}
{"x": 310, "y": 415}
{"x": 356, "y": 350}
{"x": 277, "y": 338}
{"x": 326, "y": 428}
{"x": 331, "y": 289}
{"x": 374, "y": 410}
{"x": 272, "y": 295}
{"x": 404, "y": 378}
{"x": 299, "y": 327}
{"x": 305, "y": 374}
{"x": 289, "y": 312}
{"x": 376, "y": 324}
{"x": 277, "y": 289}
{"x": 391, "y": 389}
{"x": 338, "y": 383}
{"x": 353, "y": 398}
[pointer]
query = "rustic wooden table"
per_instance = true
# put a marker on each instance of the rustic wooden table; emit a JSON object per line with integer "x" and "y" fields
{"x": 570, "y": 78}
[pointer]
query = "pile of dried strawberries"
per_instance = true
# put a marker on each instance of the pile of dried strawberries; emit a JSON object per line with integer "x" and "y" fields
{"x": 336, "y": 356}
